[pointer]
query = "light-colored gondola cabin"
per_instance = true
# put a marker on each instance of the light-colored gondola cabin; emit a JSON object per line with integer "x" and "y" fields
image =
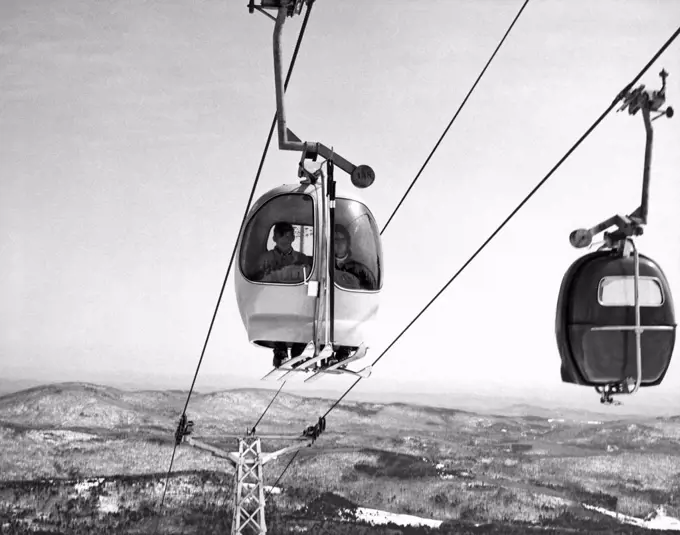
{"x": 283, "y": 306}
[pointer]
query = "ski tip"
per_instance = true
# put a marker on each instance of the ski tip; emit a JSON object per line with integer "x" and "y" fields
{"x": 314, "y": 377}
{"x": 269, "y": 378}
{"x": 366, "y": 372}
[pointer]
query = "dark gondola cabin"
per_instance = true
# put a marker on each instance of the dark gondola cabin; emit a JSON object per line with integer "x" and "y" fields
{"x": 278, "y": 290}
{"x": 596, "y": 319}
{"x": 615, "y": 321}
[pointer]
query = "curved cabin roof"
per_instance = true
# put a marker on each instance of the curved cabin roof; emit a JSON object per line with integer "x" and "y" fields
{"x": 343, "y": 189}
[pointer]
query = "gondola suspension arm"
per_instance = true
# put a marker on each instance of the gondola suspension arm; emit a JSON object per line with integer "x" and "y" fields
{"x": 632, "y": 225}
{"x": 362, "y": 176}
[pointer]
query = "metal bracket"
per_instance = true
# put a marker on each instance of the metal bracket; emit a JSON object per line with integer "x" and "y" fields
{"x": 302, "y": 170}
{"x": 184, "y": 428}
{"x": 233, "y": 457}
{"x": 292, "y": 7}
{"x": 641, "y": 99}
{"x": 606, "y": 394}
{"x": 313, "y": 431}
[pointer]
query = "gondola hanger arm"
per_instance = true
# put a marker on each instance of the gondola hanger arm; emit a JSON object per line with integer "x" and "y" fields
{"x": 634, "y": 100}
{"x": 362, "y": 176}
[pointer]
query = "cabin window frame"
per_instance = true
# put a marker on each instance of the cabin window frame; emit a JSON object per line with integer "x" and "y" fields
{"x": 314, "y": 240}
{"x": 625, "y": 278}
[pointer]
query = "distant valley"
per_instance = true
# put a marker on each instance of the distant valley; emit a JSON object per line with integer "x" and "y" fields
{"x": 86, "y": 457}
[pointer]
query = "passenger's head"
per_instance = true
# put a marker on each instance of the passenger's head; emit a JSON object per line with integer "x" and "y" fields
{"x": 284, "y": 235}
{"x": 342, "y": 241}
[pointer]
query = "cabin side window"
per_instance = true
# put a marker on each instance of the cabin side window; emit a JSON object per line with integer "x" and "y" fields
{"x": 358, "y": 253}
{"x": 619, "y": 291}
{"x": 278, "y": 242}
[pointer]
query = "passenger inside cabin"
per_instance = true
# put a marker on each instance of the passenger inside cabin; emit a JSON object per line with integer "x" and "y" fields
{"x": 344, "y": 263}
{"x": 274, "y": 266}
{"x": 349, "y": 273}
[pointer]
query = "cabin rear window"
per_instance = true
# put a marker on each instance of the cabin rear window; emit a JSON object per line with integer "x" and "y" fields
{"x": 619, "y": 291}
{"x": 261, "y": 259}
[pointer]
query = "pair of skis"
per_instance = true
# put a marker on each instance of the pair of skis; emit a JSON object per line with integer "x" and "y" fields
{"x": 311, "y": 362}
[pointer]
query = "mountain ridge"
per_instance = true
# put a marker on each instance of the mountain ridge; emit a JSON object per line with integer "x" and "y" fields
{"x": 99, "y": 405}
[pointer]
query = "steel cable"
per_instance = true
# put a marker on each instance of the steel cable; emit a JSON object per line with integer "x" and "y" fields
{"x": 455, "y": 115}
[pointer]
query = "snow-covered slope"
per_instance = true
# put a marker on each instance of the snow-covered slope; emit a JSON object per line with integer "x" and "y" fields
{"x": 658, "y": 520}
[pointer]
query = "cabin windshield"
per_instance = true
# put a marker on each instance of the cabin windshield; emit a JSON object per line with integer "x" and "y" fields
{"x": 358, "y": 253}
{"x": 620, "y": 291}
{"x": 278, "y": 242}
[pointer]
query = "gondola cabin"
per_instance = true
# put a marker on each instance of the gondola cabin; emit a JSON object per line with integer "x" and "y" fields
{"x": 281, "y": 305}
{"x": 596, "y": 319}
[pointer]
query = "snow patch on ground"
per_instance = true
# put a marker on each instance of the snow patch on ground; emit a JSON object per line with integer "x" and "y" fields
{"x": 267, "y": 489}
{"x": 86, "y": 484}
{"x": 377, "y": 517}
{"x": 83, "y": 488}
{"x": 657, "y": 520}
{"x": 56, "y": 436}
{"x": 108, "y": 504}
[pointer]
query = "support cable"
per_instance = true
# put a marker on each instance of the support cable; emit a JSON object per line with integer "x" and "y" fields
{"x": 252, "y": 431}
{"x": 271, "y": 489}
{"x": 233, "y": 253}
{"x": 456, "y": 115}
{"x": 520, "y": 205}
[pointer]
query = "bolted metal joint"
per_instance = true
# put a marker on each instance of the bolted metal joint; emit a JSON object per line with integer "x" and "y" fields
{"x": 641, "y": 99}
{"x": 314, "y": 431}
{"x": 184, "y": 429}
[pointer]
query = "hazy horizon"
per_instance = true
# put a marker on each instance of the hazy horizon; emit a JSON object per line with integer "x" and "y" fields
{"x": 483, "y": 400}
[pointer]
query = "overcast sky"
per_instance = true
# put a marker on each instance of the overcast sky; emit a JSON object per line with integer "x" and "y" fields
{"x": 131, "y": 133}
